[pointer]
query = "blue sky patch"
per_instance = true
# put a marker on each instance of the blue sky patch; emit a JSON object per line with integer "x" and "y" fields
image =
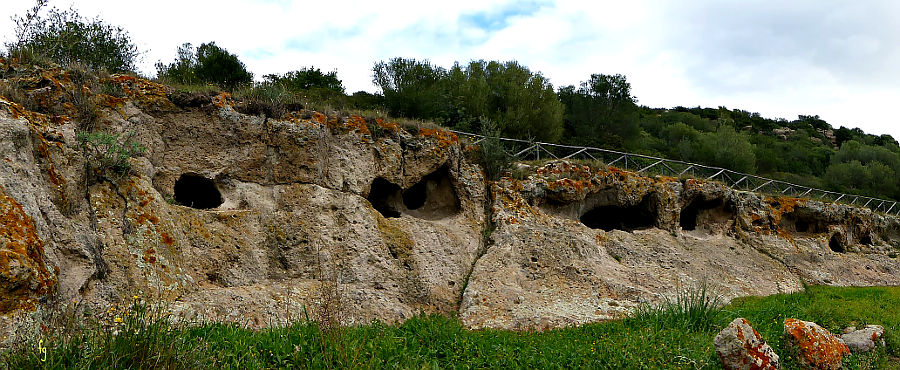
{"x": 498, "y": 19}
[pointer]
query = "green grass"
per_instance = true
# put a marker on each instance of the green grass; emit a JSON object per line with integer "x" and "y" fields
{"x": 669, "y": 337}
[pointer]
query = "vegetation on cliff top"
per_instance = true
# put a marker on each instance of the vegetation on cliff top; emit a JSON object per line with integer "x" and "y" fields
{"x": 517, "y": 101}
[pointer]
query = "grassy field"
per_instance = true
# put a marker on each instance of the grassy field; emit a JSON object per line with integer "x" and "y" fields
{"x": 677, "y": 336}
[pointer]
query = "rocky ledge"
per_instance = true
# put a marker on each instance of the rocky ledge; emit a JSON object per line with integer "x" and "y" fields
{"x": 248, "y": 219}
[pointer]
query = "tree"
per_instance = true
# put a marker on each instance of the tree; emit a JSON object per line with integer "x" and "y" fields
{"x": 217, "y": 65}
{"x": 521, "y": 103}
{"x": 208, "y": 63}
{"x": 601, "y": 111}
{"x": 411, "y": 88}
{"x": 183, "y": 69}
{"x": 65, "y": 37}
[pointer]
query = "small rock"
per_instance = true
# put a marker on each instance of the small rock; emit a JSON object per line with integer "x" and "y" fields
{"x": 816, "y": 347}
{"x": 865, "y": 339}
{"x": 740, "y": 347}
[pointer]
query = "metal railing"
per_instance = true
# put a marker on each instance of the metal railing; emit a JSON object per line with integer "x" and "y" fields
{"x": 645, "y": 164}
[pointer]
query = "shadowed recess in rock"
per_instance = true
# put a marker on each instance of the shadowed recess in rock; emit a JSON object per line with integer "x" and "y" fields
{"x": 835, "y": 243}
{"x": 196, "y": 191}
{"x": 803, "y": 223}
{"x": 628, "y": 218}
{"x": 865, "y": 239}
{"x": 705, "y": 212}
{"x": 383, "y": 197}
{"x": 432, "y": 198}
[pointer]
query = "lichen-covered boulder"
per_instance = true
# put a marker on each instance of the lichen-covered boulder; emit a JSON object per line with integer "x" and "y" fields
{"x": 816, "y": 347}
{"x": 739, "y": 346}
{"x": 865, "y": 339}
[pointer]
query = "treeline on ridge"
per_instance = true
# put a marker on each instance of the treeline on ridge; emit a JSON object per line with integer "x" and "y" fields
{"x": 499, "y": 98}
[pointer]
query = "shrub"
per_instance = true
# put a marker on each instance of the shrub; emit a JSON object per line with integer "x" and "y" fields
{"x": 307, "y": 79}
{"x": 208, "y": 63}
{"x": 494, "y": 157}
{"x": 108, "y": 154}
{"x": 65, "y": 37}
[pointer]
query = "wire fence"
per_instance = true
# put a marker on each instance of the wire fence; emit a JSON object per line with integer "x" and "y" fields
{"x": 645, "y": 164}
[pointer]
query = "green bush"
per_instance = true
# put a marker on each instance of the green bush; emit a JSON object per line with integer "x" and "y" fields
{"x": 306, "y": 79}
{"x": 494, "y": 157}
{"x": 65, "y": 37}
{"x": 107, "y": 154}
{"x": 209, "y": 63}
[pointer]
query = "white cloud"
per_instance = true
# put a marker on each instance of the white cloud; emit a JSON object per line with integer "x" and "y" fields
{"x": 831, "y": 58}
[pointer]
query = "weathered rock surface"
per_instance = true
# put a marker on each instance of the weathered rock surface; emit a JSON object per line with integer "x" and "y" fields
{"x": 290, "y": 212}
{"x": 575, "y": 244}
{"x": 865, "y": 339}
{"x": 739, "y": 346}
{"x": 816, "y": 347}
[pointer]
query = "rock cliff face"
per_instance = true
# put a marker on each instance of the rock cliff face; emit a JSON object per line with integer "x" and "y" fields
{"x": 240, "y": 218}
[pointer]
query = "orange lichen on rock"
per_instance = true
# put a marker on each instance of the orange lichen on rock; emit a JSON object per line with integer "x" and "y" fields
{"x": 392, "y": 127}
{"x": 24, "y": 277}
{"x": 785, "y": 205}
{"x": 817, "y": 348}
{"x": 319, "y": 117}
{"x": 353, "y": 123}
{"x": 39, "y": 124}
{"x": 167, "y": 239}
{"x": 223, "y": 100}
{"x": 444, "y": 138}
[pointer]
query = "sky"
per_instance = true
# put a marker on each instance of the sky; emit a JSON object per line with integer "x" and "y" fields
{"x": 835, "y": 59}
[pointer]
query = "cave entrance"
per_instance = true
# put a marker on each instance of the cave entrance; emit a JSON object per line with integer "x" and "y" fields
{"x": 383, "y": 197}
{"x": 803, "y": 223}
{"x": 706, "y": 212}
{"x": 865, "y": 239}
{"x": 628, "y": 218}
{"x": 432, "y": 198}
{"x": 196, "y": 191}
{"x": 835, "y": 243}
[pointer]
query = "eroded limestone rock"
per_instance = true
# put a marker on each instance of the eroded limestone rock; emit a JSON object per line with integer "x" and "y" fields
{"x": 739, "y": 346}
{"x": 865, "y": 339}
{"x": 816, "y": 347}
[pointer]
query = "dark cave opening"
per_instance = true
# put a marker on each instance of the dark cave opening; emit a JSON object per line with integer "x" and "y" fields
{"x": 415, "y": 196}
{"x": 433, "y": 197}
{"x": 627, "y": 218}
{"x": 803, "y": 223}
{"x": 383, "y": 197}
{"x": 865, "y": 239}
{"x": 801, "y": 226}
{"x": 196, "y": 191}
{"x": 710, "y": 211}
{"x": 835, "y": 243}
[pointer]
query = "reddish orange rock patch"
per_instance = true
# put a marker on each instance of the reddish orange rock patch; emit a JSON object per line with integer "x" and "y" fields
{"x": 24, "y": 277}
{"x": 816, "y": 347}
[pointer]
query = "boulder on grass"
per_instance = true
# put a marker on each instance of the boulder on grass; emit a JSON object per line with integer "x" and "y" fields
{"x": 865, "y": 339}
{"x": 816, "y": 347}
{"x": 740, "y": 347}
